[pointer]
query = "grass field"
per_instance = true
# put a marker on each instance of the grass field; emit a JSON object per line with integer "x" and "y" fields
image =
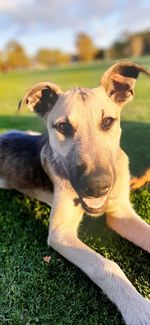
{"x": 32, "y": 291}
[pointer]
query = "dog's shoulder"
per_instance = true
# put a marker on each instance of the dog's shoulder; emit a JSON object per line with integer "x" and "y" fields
{"x": 20, "y": 160}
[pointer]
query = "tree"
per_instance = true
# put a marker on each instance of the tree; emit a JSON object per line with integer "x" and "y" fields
{"x": 43, "y": 56}
{"x": 49, "y": 57}
{"x": 2, "y": 63}
{"x": 99, "y": 54}
{"x": 85, "y": 47}
{"x": 119, "y": 49}
{"x": 16, "y": 56}
{"x": 140, "y": 43}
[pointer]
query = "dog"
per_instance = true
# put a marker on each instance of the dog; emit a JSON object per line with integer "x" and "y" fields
{"x": 77, "y": 167}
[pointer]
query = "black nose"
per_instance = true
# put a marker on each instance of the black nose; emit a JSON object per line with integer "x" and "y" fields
{"x": 97, "y": 191}
{"x": 95, "y": 185}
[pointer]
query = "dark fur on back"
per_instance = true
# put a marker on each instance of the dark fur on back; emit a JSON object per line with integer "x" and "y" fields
{"x": 20, "y": 163}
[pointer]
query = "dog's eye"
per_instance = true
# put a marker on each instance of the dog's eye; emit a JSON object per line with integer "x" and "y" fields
{"x": 65, "y": 128}
{"x": 107, "y": 122}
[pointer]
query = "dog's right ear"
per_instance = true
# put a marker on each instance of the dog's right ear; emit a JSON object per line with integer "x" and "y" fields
{"x": 119, "y": 81}
{"x": 41, "y": 97}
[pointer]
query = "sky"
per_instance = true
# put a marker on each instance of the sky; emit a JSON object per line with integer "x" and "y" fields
{"x": 55, "y": 23}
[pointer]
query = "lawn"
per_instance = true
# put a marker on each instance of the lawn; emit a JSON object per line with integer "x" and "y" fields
{"x": 32, "y": 291}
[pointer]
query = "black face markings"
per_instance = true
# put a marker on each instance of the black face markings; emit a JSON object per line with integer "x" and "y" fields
{"x": 47, "y": 100}
{"x": 83, "y": 94}
{"x": 129, "y": 71}
{"x": 107, "y": 121}
{"x": 64, "y": 127}
{"x": 40, "y": 98}
{"x": 76, "y": 201}
{"x": 81, "y": 169}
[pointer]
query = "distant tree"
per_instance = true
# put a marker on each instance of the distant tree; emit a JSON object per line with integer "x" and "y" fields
{"x": 119, "y": 49}
{"x": 137, "y": 45}
{"x": 49, "y": 57}
{"x": 64, "y": 58}
{"x": 3, "y": 64}
{"x": 99, "y": 54}
{"x": 140, "y": 43}
{"x": 16, "y": 56}
{"x": 85, "y": 47}
{"x": 44, "y": 56}
{"x": 130, "y": 45}
{"x": 58, "y": 57}
{"x": 147, "y": 43}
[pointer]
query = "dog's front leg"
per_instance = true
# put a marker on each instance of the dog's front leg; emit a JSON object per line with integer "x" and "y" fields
{"x": 129, "y": 225}
{"x": 65, "y": 218}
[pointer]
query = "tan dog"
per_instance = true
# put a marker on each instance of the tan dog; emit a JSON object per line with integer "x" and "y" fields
{"x": 79, "y": 167}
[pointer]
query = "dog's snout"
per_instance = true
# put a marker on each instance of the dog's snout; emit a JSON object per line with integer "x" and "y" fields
{"x": 96, "y": 191}
{"x": 95, "y": 184}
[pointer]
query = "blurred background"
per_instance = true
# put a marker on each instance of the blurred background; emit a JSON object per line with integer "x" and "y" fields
{"x": 72, "y": 43}
{"x": 37, "y": 34}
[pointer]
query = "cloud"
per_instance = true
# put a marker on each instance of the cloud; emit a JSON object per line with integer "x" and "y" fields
{"x": 72, "y": 14}
{"x": 8, "y": 5}
{"x": 52, "y": 13}
{"x": 103, "y": 20}
{"x": 136, "y": 17}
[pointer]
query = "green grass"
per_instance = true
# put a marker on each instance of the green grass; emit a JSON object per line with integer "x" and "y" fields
{"x": 32, "y": 291}
{"x": 14, "y": 84}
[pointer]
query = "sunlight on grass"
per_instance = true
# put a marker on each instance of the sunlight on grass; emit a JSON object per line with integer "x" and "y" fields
{"x": 34, "y": 292}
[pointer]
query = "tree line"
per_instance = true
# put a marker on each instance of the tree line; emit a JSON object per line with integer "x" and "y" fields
{"x": 14, "y": 56}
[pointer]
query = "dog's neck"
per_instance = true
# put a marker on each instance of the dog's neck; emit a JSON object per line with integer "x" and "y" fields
{"x": 51, "y": 160}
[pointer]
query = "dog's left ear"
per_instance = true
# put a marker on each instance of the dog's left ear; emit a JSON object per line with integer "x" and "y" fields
{"x": 41, "y": 97}
{"x": 119, "y": 81}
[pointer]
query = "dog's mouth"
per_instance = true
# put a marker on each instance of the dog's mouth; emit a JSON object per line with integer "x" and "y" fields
{"x": 94, "y": 205}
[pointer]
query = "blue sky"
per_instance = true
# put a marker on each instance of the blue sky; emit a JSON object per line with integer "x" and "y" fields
{"x": 55, "y": 23}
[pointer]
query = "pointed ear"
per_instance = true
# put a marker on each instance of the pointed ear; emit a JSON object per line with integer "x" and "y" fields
{"x": 41, "y": 97}
{"x": 119, "y": 81}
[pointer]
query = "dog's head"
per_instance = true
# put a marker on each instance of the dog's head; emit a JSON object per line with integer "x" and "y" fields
{"x": 84, "y": 129}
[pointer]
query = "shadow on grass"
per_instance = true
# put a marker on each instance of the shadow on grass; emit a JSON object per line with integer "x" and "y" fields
{"x": 57, "y": 293}
{"x": 136, "y": 143}
{"x": 33, "y": 291}
{"x": 21, "y": 122}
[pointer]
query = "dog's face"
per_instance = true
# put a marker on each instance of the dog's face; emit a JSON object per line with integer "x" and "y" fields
{"x": 84, "y": 133}
{"x": 84, "y": 130}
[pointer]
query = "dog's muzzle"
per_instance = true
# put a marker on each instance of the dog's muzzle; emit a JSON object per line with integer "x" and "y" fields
{"x": 94, "y": 206}
{"x": 93, "y": 190}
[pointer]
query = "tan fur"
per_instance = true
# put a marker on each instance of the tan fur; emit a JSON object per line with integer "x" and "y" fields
{"x": 85, "y": 109}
